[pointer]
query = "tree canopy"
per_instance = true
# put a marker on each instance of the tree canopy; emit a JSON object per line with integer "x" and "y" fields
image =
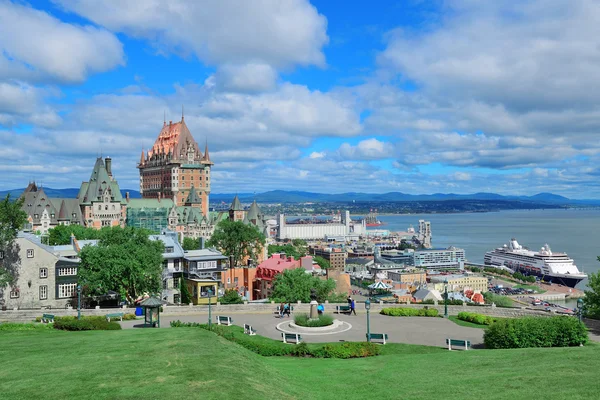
{"x": 125, "y": 261}
{"x": 294, "y": 285}
{"x": 61, "y": 234}
{"x": 12, "y": 218}
{"x": 237, "y": 240}
{"x": 190, "y": 243}
{"x": 591, "y": 301}
{"x": 323, "y": 263}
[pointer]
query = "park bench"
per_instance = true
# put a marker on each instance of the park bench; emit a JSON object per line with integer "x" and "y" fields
{"x": 378, "y": 336}
{"x": 249, "y": 330}
{"x": 223, "y": 320}
{"x": 47, "y": 318}
{"x": 460, "y": 343}
{"x": 341, "y": 309}
{"x": 114, "y": 315}
{"x": 296, "y": 338}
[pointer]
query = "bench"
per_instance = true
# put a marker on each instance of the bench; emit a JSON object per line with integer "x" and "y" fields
{"x": 341, "y": 309}
{"x": 222, "y": 320}
{"x": 47, "y": 318}
{"x": 114, "y": 315}
{"x": 378, "y": 336}
{"x": 249, "y": 330}
{"x": 291, "y": 336}
{"x": 460, "y": 343}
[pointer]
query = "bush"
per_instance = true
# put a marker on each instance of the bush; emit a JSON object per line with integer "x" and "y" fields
{"x": 535, "y": 332}
{"x": 303, "y": 320}
{"x": 409, "y": 312}
{"x": 475, "y": 318}
{"x": 12, "y": 326}
{"x": 85, "y": 324}
{"x": 269, "y": 347}
{"x": 231, "y": 296}
{"x": 129, "y": 317}
{"x": 500, "y": 301}
{"x": 451, "y": 302}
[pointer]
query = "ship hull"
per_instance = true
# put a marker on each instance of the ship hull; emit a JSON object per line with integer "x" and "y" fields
{"x": 372, "y": 224}
{"x": 569, "y": 281}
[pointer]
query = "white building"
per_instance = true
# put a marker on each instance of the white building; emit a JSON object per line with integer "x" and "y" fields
{"x": 450, "y": 258}
{"x": 344, "y": 228}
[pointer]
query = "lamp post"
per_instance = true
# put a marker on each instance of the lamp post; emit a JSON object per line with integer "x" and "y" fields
{"x": 209, "y": 310}
{"x": 368, "y": 307}
{"x": 580, "y": 308}
{"x": 445, "y": 298}
{"x": 78, "y": 301}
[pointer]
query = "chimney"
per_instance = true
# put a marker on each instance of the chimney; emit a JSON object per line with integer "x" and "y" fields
{"x": 159, "y": 196}
{"x": 108, "y": 165}
{"x": 72, "y": 239}
{"x": 201, "y": 242}
{"x": 127, "y": 196}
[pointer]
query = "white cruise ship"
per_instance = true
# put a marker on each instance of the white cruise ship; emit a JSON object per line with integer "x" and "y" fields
{"x": 549, "y": 266}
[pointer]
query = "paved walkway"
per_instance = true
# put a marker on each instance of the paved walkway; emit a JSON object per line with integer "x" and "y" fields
{"x": 412, "y": 330}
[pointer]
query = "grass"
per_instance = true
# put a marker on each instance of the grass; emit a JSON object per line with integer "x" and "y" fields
{"x": 194, "y": 363}
{"x": 531, "y": 287}
{"x": 460, "y": 322}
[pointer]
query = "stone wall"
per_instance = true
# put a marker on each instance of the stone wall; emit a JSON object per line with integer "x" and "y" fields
{"x": 253, "y": 308}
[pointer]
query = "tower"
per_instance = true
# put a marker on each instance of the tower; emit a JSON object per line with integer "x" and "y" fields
{"x": 175, "y": 166}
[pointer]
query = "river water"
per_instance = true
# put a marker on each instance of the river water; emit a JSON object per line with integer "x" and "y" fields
{"x": 575, "y": 232}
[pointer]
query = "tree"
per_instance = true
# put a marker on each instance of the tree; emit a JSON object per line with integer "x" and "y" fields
{"x": 294, "y": 285}
{"x": 125, "y": 261}
{"x": 191, "y": 244}
{"x": 61, "y": 234}
{"x": 287, "y": 249}
{"x": 231, "y": 296}
{"x": 186, "y": 298}
{"x": 12, "y": 218}
{"x": 323, "y": 263}
{"x": 237, "y": 240}
{"x": 591, "y": 301}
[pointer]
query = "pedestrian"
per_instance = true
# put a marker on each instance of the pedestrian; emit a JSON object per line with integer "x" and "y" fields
{"x": 281, "y": 310}
{"x": 286, "y": 310}
{"x": 352, "y": 307}
{"x": 320, "y": 309}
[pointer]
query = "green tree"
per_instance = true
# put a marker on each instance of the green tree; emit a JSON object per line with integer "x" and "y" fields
{"x": 231, "y": 296}
{"x": 237, "y": 241}
{"x": 295, "y": 284}
{"x": 323, "y": 263}
{"x": 61, "y": 234}
{"x": 591, "y": 301}
{"x": 287, "y": 249}
{"x": 12, "y": 218}
{"x": 191, "y": 244}
{"x": 125, "y": 261}
{"x": 186, "y": 298}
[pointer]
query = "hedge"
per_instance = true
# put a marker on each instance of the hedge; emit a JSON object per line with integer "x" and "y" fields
{"x": 410, "y": 312}
{"x": 15, "y": 326}
{"x": 269, "y": 347}
{"x": 560, "y": 331}
{"x": 475, "y": 318}
{"x": 304, "y": 320}
{"x": 85, "y": 324}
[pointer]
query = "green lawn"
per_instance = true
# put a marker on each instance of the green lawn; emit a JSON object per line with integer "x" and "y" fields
{"x": 468, "y": 324}
{"x": 532, "y": 287}
{"x": 193, "y": 363}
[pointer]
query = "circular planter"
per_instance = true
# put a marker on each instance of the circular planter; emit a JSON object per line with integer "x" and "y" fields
{"x": 336, "y": 323}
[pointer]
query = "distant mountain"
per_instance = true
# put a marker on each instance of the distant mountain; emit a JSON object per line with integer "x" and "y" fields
{"x": 69, "y": 193}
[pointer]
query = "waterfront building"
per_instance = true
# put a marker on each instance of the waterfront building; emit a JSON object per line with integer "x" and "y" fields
{"x": 424, "y": 235}
{"x": 450, "y": 258}
{"x": 175, "y": 168}
{"x": 405, "y": 257}
{"x": 460, "y": 283}
{"x": 340, "y": 227}
{"x": 427, "y": 294}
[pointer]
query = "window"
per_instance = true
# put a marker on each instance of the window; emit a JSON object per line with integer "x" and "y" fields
{"x": 165, "y": 284}
{"x": 1, "y": 254}
{"x": 176, "y": 264}
{"x": 43, "y": 272}
{"x": 14, "y": 294}
{"x": 43, "y": 292}
{"x": 176, "y": 283}
{"x": 67, "y": 290}
{"x": 99, "y": 207}
{"x": 169, "y": 249}
{"x": 29, "y": 253}
{"x": 67, "y": 271}
{"x": 176, "y": 299}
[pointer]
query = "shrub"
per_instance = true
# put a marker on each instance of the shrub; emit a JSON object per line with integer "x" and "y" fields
{"x": 409, "y": 312}
{"x": 303, "y": 320}
{"x": 451, "y": 302}
{"x": 231, "y": 296}
{"x": 13, "y": 326}
{"x": 129, "y": 317}
{"x": 475, "y": 318}
{"x": 85, "y": 324}
{"x": 500, "y": 301}
{"x": 557, "y": 331}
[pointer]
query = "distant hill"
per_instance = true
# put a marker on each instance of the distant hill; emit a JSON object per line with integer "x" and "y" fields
{"x": 294, "y": 196}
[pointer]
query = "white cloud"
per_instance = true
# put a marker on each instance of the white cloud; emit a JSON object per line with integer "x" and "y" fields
{"x": 250, "y": 78}
{"x": 369, "y": 149}
{"x": 34, "y": 45}
{"x": 317, "y": 154}
{"x": 279, "y": 33}
{"x": 20, "y": 102}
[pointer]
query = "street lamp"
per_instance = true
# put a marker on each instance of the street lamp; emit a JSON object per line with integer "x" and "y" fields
{"x": 78, "y": 301}
{"x": 445, "y": 298}
{"x": 368, "y": 307}
{"x": 209, "y": 291}
{"x": 580, "y": 308}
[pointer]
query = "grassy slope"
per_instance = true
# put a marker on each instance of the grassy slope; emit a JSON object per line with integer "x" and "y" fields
{"x": 460, "y": 322}
{"x": 193, "y": 363}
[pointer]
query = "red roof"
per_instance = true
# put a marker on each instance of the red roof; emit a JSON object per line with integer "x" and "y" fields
{"x": 274, "y": 265}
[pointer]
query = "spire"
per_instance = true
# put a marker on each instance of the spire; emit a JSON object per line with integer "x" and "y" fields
{"x": 164, "y": 117}
{"x": 206, "y": 156}
{"x": 142, "y": 158}
{"x": 236, "y": 205}
{"x": 193, "y": 197}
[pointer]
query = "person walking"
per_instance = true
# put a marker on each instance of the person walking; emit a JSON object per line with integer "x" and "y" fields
{"x": 352, "y": 307}
{"x": 286, "y": 309}
{"x": 281, "y": 310}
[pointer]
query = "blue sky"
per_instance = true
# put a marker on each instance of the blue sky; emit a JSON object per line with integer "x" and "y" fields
{"x": 329, "y": 96}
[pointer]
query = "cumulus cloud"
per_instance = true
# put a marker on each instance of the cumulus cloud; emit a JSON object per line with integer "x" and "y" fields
{"x": 369, "y": 149}
{"x": 34, "y": 45}
{"x": 281, "y": 34}
{"x": 22, "y": 102}
{"x": 250, "y": 78}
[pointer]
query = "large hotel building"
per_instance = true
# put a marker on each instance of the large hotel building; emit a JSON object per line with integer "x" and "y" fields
{"x": 175, "y": 166}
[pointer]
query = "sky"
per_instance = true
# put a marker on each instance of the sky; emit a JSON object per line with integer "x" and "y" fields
{"x": 328, "y": 96}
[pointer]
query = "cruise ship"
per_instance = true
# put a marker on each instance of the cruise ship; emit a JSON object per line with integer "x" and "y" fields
{"x": 550, "y": 267}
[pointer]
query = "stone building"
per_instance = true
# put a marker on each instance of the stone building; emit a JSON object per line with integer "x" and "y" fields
{"x": 175, "y": 167}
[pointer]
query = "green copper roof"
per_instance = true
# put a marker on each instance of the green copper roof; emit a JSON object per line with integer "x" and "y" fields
{"x": 236, "y": 205}
{"x": 193, "y": 197}
{"x": 254, "y": 213}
